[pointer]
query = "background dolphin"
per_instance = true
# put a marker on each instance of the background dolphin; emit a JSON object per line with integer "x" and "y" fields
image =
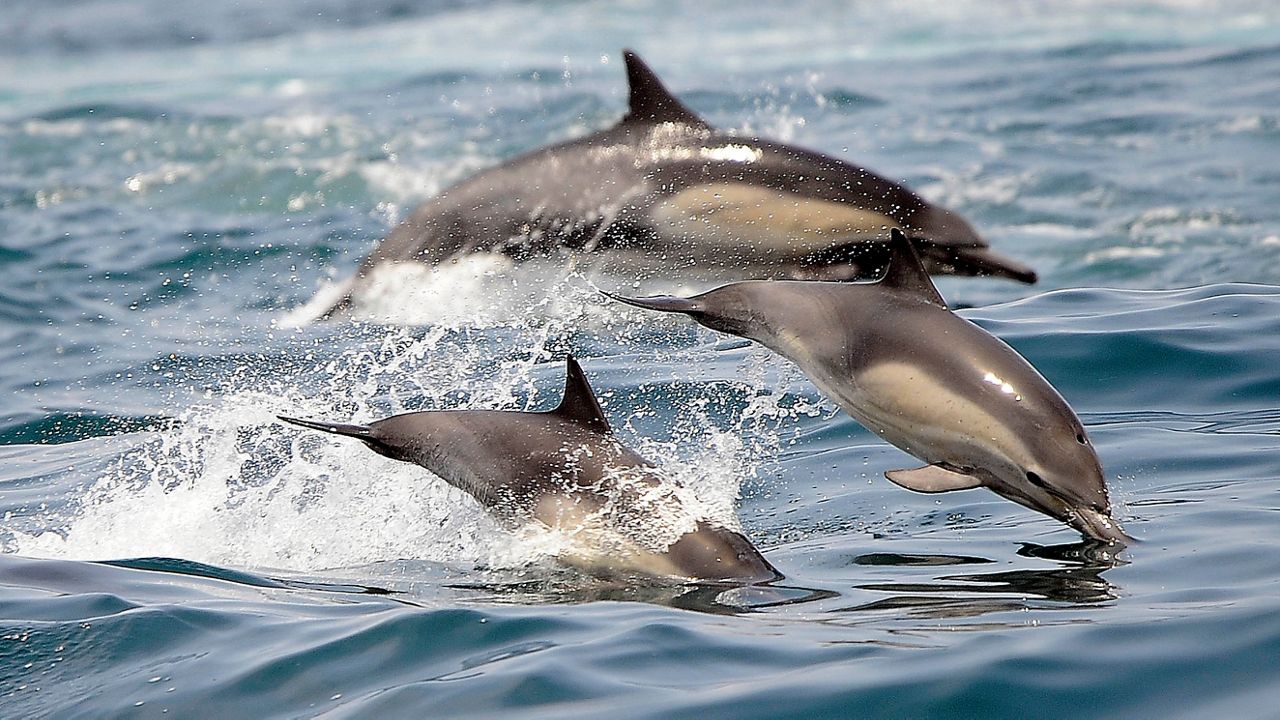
{"x": 566, "y": 469}
{"x": 662, "y": 191}
{"x": 895, "y": 358}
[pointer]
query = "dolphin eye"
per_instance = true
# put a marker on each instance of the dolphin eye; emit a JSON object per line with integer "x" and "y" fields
{"x": 1035, "y": 479}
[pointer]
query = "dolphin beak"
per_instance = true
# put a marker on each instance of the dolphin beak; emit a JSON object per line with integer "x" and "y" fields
{"x": 661, "y": 303}
{"x": 1095, "y": 525}
{"x": 1098, "y": 526}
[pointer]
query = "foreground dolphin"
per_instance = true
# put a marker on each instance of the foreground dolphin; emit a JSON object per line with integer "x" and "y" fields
{"x": 662, "y": 191}
{"x": 894, "y": 357}
{"x": 565, "y": 469}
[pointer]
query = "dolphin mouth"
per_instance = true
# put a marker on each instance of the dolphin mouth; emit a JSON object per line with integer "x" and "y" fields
{"x": 1096, "y": 525}
{"x": 1093, "y": 524}
{"x": 661, "y": 303}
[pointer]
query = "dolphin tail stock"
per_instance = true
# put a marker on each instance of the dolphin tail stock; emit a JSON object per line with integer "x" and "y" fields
{"x": 360, "y": 432}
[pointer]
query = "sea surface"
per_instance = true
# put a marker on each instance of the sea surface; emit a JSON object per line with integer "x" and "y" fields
{"x": 180, "y": 179}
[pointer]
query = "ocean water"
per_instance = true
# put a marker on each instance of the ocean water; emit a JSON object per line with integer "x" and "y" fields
{"x": 179, "y": 180}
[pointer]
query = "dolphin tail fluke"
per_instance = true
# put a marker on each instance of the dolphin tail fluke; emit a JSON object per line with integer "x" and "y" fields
{"x": 361, "y": 432}
{"x": 661, "y": 303}
{"x": 975, "y": 261}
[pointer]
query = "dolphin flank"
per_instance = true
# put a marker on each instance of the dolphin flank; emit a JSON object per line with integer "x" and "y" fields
{"x": 933, "y": 384}
{"x": 663, "y": 193}
{"x": 565, "y": 469}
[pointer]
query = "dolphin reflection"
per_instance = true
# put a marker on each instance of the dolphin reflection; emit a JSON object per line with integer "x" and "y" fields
{"x": 971, "y": 594}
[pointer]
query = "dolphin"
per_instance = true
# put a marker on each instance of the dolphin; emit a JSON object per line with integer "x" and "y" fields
{"x": 662, "y": 191}
{"x": 935, "y": 385}
{"x": 565, "y": 469}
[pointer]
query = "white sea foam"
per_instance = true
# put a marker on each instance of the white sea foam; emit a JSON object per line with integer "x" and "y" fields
{"x": 233, "y": 486}
{"x": 1055, "y": 231}
{"x": 485, "y": 290}
{"x": 1122, "y": 253}
{"x": 1169, "y": 224}
{"x": 407, "y": 184}
{"x": 230, "y": 485}
{"x": 965, "y": 187}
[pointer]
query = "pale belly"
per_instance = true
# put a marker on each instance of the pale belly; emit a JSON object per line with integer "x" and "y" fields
{"x": 922, "y": 416}
{"x": 776, "y": 226}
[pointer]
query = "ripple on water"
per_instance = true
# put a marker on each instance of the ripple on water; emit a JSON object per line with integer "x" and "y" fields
{"x": 159, "y": 234}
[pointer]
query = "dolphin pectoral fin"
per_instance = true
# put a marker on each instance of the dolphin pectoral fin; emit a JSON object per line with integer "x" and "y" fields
{"x": 661, "y": 303}
{"x": 932, "y": 479}
{"x": 579, "y": 404}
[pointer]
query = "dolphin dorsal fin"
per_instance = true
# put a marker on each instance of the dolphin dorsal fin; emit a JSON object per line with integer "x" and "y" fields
{"x": 579, "y": 404}
{"x": 906, "y": 271}
{"x": 651, "y": 101}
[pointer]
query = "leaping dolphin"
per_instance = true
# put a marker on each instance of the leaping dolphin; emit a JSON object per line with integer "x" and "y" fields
{"x": 566, "y": 469}
{"x": 894, "y": 357}
{"x": 662, "y": 193}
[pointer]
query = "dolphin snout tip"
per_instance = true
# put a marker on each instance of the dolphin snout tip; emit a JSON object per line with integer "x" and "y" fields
{"x": 1102, "y": 527}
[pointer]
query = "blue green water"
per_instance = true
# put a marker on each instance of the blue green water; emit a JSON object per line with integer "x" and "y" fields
{"x": 179, "y": 179}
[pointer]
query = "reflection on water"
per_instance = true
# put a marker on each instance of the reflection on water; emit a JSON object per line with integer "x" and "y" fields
{"x": 424, "y": 584}
{"x": 195, "y": 569}
{"x": 713, "y": 598}
{"x": 239, "y": 577}
{"x": 1076, "y": 579}
{"x": 917, "y": 560}
{"x": 1080, "y": 582}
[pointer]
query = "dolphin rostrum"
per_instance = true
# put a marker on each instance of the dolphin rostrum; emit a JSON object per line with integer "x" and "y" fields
{"x": 565, "y": 469}
{"x": 662, "y": 191}
{"x": 895, "y": 358}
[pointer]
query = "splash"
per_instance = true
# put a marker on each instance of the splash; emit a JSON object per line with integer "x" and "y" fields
{"x": 229, "y": 485}
{"x": 486, "y": 290}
